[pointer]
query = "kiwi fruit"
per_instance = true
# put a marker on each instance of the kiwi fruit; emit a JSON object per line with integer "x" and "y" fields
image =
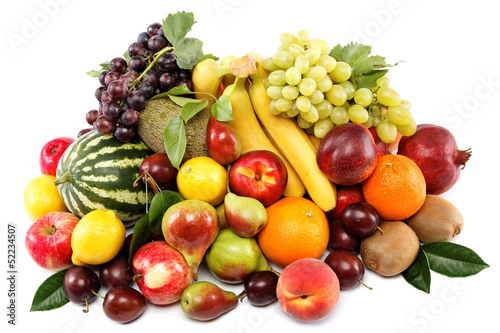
{"x": 391, "y": 250}
{"x": 438, "y": 220}
{"x": 155, "y": 117}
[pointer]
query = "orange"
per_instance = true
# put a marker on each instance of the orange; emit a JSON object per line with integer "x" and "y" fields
{"x": 396, "y": 188}
{"x": 296, "y": 228}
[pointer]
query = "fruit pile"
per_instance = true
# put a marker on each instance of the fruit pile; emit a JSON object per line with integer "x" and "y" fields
{"x": 305, "y": 154}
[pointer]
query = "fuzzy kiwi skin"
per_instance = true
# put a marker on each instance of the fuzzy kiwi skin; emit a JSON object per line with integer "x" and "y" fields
{"x": 156, "y": 115}
{"x": 438, "y": 220}
{"x": 391, "y": 252}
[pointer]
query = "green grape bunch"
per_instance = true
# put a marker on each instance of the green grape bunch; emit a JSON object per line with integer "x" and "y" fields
{"x": 310, "y": 85}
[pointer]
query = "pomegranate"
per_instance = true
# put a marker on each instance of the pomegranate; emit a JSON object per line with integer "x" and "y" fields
{"x": 434, "y": 149}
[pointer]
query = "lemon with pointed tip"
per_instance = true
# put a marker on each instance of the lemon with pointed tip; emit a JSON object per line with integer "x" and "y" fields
{"x": 97, "y": 238}
{"x": 42, "y": 197}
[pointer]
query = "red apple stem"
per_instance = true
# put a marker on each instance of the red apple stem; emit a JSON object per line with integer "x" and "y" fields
{"x": 365, "y": 285}
{"x": 137, "y": 277}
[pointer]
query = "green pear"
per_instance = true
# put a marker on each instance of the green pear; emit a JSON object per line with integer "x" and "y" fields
{"x": 246, "y": 216}
{"x": 231, "y": 258}
{"x": 205, "y": 301}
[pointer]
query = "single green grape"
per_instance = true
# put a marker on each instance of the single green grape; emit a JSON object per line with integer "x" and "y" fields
{"x": 317, "y": 73}
{"x": 321, "y": 44}
{"x": 303, "y": 38}
{"x": 317, "y": 97}
{"x": 336, "y": 95}
{"x": 269, "y": 64}
{"x": 272, "y": 108}
{"x": 321, "y": 127}
{"x": 387, "y": 131}
{"x": 283, "y": 104}
{"x": 363, "y": 97}
{"x": 369, "y": 122}
{"x": 302, "y": 63}
{"x": 293, "y": 76}
{"x": 376, "y": 121}
{"x": 388, "y": 96}
{"x": 399, "y": 115}
{"x": 307, "y": 86}
{"x": 283, "y": 59}
{"x": 295, "y": 50}
{"x": 341, "y": 73}
{"x": 406, "y": 104}
{"x": 290, "y": 92}
{"x": 274, "y": 92}
{"x": 293, "y": 112}
{"x": 349, "y": 88}
{"x": 383, "y": 81}
{"x": 302, "y": 122}
{"x": 339, "y": 115}
{"x": 303, "y": 103}
{"x": 327, "y": 62}
{"x": 357, "y": 114}
{"x": 311, "y": 116}
{"x": 325, "y": 84}
{"x": 277, "y": 78}
{"x": 287, "y": 38}
{"x": 408, "y": 129}
{"x": 313, "y": 55}
{"x": 324, "y": 108}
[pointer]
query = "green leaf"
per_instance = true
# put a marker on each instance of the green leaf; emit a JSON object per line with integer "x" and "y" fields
{"x": 179, "y": 90}
{"x": 366, "y": 69}
{"x": 210, "y": 56}
{"x": 419, "y": 274}
{"x": 175, "y": 140}
{"x": 189, "y": 53}
{"x": 453, "y": 260}
{"x": 221, "y": 109}
{"x": 159, "y": 205}
{"x": 140, "y": 236}
{"x": 190, "y": 110}
{"x": 50, "y": 295}
{"x": 176, "y": 26}
{"x": 94, "y": 73}
{"x": 181, "y": 101}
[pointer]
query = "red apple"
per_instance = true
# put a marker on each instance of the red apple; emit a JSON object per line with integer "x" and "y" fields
{"x": 381, "y": 145}
{"x": 48, "y": 240}
{"x": 346, "y": 195}
{"x": 161, "y": 272}
{"x": 51, "y": 154}
{"x": 259, "y": 174}
{"x": 308, "y": 289}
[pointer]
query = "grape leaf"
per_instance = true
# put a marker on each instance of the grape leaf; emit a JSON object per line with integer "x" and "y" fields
{"x": 50, "y": 294}
{"x": 176, "y": 26}
{"x": 189, "y": 53}
{"x": 221, "y": 109}
{"x": 175, "y": 140}
{"x": 419, "y": 274}
{"x": 159, "y": 205}
{"x": 140, "y": 236}
{"x": 453, "y": 260}
{"x": 366, "y": 69}
{"x": 95, "y": 73}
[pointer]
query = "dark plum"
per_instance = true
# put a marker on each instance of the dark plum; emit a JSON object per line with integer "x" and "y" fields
{"x": 360, "y": 219}
{"x": 340, "y": 239}
{"x": 159, "y": 168}
{"x": 260, "y": 287}
{"x": 116, "y": 272}
{"x": 80, "y": 284}
{"x": 348, "y": 267}
{"x": 124, "y": 304}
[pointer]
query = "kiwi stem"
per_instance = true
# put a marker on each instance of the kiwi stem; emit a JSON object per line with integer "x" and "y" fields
{"x": 365, "y": 285}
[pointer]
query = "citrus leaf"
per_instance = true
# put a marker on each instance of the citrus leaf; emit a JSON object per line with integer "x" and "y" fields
{"x": 453, "y": 260}
{"x": 221, "y": 109}
{"x": 159, "y": 205}
{"x": 190, "y": 110}
{"x": 50, "y": 294}
{"x": 176, "y": 26}
{"x": 140, "y": 236}
{"x": 419, "y": 274}
{"x": 175, "y": 140}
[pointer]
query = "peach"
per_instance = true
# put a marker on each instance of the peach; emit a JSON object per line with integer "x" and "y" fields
{"x": 308, "y": 289}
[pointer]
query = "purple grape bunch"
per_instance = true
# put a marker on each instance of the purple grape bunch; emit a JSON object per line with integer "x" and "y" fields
{"x": 126, "y": 86}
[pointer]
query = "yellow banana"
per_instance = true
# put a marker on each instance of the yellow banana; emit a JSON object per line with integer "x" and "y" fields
{"x": 228, "y": 78}
{"x": 295, "y": 145}
{"x": 252, "y": 137}
{"x": 207, "y": 76}
{"x": 263, "y": 73}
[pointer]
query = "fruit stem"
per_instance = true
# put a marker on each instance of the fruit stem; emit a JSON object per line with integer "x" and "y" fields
{"x": 86, "y": 310}
{"x": 137, "y": 277}
{"x": 462, "y": 157}
{"x": 380, "y": 229}
{"x": 66, "y": 178}
{"x": 157, "y": 56}
{"x": 365, "y": 285}
{"x": 241, "y": 295}
{"x": 274, "y": 271}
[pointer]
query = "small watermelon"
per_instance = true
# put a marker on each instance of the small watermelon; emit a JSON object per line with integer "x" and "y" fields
{"x": 98, "y": 172}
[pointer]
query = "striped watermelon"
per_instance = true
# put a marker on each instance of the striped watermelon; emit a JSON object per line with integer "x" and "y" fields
{"x": 98, "y": 172}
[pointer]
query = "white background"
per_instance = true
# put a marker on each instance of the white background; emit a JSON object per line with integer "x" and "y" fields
{"x": 450, "y": 74}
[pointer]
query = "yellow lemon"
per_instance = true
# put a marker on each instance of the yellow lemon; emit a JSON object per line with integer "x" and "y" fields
{"x": 97, "y": 238}
{"x": 204, "y": 179}
{"x": 42, "y": 197}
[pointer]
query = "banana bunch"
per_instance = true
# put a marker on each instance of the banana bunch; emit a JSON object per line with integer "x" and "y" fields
{"x": 259, "y": 129}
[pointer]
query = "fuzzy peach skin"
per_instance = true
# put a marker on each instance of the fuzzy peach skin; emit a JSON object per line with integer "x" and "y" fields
{"x": 308, "y": 289}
